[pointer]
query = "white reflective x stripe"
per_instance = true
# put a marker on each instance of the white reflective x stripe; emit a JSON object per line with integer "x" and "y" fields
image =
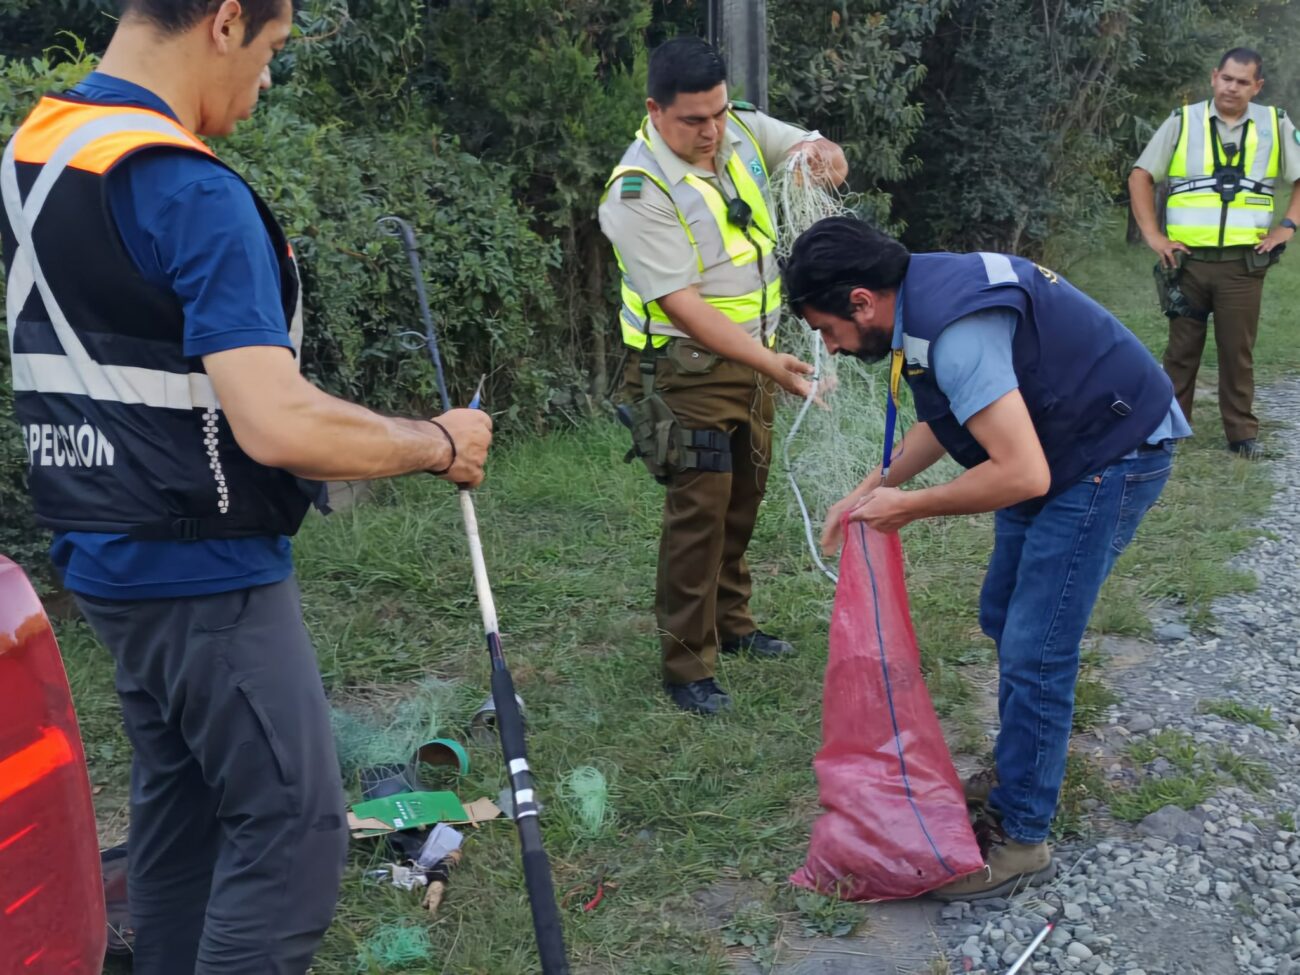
{"x": 78, "y": 140}
{"x": 58, "y": 375}
{"x": 78, "y": 373}
{"x": 18, "y": 289}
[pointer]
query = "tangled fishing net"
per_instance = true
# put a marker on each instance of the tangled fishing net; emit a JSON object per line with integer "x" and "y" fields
{"x": 893, "y": 820}
{"x": 827, "y": 451}
{"x": 385, "y": 726}
{"x": 586, "y": 789}
{"x": 393, "y": 947}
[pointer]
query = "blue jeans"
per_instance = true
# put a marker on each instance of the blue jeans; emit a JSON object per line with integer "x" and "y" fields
{"x": 1043, "y": 579}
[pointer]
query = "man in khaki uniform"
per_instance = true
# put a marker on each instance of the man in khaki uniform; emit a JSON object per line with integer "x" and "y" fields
{"x": 1222, "y": 158}
{"x": 691, "y": 220}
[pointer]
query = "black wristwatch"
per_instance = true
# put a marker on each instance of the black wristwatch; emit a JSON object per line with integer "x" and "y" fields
{"x": 1288, "y": 223}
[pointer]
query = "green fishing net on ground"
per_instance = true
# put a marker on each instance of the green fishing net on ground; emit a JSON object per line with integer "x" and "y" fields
{"x": 586, "y": 789}
{"x": 383, "y": 726}
{"x": 394, "y": 946}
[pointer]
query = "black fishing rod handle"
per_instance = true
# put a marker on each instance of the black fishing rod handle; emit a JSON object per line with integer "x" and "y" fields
{"x": 541, "y": 898}
{"x": 537, "y": 868}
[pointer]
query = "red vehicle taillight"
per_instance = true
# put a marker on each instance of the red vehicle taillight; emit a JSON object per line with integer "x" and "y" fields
{"x": 51, "y": 894}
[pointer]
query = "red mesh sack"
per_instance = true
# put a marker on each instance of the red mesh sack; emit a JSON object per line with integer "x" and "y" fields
{"x": 894, "y": 823}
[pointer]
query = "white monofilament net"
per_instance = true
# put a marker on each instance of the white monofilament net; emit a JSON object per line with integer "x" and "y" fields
{"x": 827, "y": 450}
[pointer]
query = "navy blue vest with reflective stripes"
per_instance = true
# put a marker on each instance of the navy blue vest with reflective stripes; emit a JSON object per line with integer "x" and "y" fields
{"x": 1093, "y": 390}
{"x": 123, "y": 432}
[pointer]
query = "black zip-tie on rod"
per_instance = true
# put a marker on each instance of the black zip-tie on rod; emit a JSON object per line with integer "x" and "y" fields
{"x": 510, "y": 725}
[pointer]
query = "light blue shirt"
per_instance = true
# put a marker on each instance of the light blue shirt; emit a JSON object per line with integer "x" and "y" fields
{"x": 973, "y": 367}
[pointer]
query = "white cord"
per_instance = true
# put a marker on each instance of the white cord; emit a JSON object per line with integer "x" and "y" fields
{"x": 800, "y": 202}
{"x": 794, "y": 482}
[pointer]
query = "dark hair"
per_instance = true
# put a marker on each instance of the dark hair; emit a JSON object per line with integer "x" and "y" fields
{"x": 684, "y": 65}
{"x": 1245, "y": 55}
{"x": 836, "y": 255}
{"x": 178, "y": 16}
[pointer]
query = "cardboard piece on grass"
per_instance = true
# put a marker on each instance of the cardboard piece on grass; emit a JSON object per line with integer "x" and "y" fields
{"x": 414, "y": 809}
{"x": 404, "y": 810}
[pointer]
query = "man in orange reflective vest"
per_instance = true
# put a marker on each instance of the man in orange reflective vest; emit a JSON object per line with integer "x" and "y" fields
{"x": 155, "y": 321}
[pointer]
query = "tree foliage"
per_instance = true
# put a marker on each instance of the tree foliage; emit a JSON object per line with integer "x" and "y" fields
{"x": 852, "y": 70}
{"x": 1035, "y": 110}
{"x": 492, "y": 127}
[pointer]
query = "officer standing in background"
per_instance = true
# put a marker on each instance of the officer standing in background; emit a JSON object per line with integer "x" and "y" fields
{"x": 690, "y": 216}
{"x": 155, "y": 320}
{"x": 1223, "y": 158}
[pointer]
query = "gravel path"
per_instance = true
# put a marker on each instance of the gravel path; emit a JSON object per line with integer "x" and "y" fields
{"x": 1214, "y": 890}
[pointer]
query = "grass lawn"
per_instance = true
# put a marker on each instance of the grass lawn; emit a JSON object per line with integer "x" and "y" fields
{"x": 570, "y": 535}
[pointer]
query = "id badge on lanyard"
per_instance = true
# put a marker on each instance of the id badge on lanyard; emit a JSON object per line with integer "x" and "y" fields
{"x": 895, "y": 376}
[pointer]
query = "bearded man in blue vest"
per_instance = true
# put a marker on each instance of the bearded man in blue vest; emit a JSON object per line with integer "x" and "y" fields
{"x": 1066, "y": 426}
{"x": 155, "y": 323}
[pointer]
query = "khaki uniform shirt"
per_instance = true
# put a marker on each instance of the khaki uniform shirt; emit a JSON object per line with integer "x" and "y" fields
{"x": 1159, "y": 153}
{"x": 649, "y": 237}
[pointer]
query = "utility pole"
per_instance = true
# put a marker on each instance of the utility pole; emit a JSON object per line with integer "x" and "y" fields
{"x": 738, "y": 28}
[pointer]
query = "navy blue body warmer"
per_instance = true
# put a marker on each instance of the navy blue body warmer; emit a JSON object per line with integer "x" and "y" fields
{"x": 1093, "y": 390}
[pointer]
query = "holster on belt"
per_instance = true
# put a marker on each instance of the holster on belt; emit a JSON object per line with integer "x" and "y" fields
{"x": 663, "y": 444}
{"x": 1169, "y": 293}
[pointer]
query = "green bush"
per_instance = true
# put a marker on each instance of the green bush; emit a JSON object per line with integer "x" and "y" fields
{"x": 485, "y": 266}
{"x": 853, "y": 71}
{"x": 1004, "y": 124}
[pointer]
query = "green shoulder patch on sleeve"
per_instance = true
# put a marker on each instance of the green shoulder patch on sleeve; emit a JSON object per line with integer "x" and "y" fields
{"x": 630, "y": 188}
{"x": 740, "y": 106}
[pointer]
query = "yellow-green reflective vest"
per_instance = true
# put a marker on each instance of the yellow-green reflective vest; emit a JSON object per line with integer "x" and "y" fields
{"x": 739, "y": 271}
{"x": 1197, "y": 216}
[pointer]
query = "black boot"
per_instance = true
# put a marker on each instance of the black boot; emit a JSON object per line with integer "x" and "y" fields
{"x": 1249, "y": 449}
{"x": 699, "y": 696}
{"x": 757, "y": 644}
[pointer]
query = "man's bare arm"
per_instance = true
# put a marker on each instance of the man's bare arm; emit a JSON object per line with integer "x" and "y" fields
{"x": 281, "y": 420}
{"x": 1015, "y": 471}
{"x": 1142, "y": 196}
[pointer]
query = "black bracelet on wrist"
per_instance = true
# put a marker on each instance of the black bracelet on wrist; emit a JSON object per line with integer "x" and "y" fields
{"x": 452, "y": 443}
